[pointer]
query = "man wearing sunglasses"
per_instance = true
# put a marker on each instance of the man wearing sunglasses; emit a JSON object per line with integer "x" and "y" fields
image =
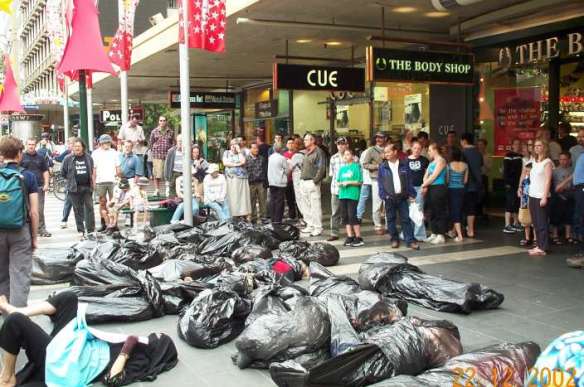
{"x": 161, "y": 140}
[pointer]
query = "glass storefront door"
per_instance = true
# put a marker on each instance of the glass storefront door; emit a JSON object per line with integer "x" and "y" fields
{"x": 212, "y": 132}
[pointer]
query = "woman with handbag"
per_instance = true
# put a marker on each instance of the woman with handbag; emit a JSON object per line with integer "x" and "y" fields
{"x": 73, "y": 354}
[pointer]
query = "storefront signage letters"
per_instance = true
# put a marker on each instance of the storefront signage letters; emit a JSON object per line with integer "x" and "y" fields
{"x": 300, "y": 77}
{"x": 541, "y": 50}
{"x": 108, "y": 116}
{"x": 26, "y": 117}
{"x": 205, "y": 100}
{"x": 424, "y": 66}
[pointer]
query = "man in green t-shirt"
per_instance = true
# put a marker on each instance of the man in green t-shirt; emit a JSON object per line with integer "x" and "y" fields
{"x": 349, "y": 179}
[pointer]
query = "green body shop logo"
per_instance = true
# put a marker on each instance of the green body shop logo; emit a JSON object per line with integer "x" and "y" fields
{"x": 381, "y": 64}
{"x": 4, "y": 197}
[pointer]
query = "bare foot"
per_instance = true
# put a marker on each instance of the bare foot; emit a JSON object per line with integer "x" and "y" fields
{"x": 6, "y": 308}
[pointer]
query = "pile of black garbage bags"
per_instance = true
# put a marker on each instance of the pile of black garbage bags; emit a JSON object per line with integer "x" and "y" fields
{"x": 234, "y": 281}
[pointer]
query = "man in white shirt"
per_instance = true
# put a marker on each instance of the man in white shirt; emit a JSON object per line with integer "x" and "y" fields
{"x": 106, "y": 166}
{"x": 278, "y": 181}
{"x": 215, "y": 192}
{"x": 135, "y": 133}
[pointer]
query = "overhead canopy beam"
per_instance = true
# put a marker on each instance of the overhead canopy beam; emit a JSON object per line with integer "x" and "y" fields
{"x": 421, "y": 41}
{"x": 332, "y": 26}
{"x": 220, "y": 77}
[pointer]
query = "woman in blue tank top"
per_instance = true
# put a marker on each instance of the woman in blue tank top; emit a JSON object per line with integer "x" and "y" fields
{"x": 434, "y": 187}
{"x": 457, "y": 179}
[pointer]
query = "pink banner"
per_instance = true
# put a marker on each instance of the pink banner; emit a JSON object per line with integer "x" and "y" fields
{"x": 517, "y": 115}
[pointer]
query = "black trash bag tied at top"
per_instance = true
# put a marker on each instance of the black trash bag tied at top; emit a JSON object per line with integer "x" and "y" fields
{"x": 391, "y": 275}
{"x": 280, "y": 334}
{"x": 322, "y": 253}
{"x": 499, "y": 365}
{"x": 214, "y": 318}
{"x": 53, "y": 266}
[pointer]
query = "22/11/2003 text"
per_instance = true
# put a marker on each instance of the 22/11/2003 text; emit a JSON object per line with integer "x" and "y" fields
{"x": 538, "y": 377}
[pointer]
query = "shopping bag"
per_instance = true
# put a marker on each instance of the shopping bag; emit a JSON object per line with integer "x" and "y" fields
{"x": 416, "y": 215}
{"x": 524, "y": 217}
{"x": 75, "y": 357}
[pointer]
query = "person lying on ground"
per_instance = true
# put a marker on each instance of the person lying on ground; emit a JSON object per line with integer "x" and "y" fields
{"x": 112, "y": 359}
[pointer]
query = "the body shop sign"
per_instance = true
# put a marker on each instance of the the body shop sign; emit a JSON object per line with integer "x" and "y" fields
{"x": 419, "y": 66}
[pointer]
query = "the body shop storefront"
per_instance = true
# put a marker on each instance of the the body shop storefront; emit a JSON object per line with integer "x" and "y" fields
{"x": 417, "y": 91}
{"x": 529, "y": 81}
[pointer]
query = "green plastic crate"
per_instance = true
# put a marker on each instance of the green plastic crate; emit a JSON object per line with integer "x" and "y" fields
{"x": 160, "y": 216}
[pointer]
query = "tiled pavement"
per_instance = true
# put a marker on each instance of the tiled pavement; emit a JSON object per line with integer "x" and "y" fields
{"x": 542, "y": 299}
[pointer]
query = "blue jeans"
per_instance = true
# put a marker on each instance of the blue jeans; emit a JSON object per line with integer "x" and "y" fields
{"x": 365, "y": 193}
{"x": 420, "y": 231}
{"x": 180, "y": 210}
{"x": 221, "y": 209}
{"x": 67, "y": 208}
{"x": 579, "y": 212}
{"x": 392, "y": 208}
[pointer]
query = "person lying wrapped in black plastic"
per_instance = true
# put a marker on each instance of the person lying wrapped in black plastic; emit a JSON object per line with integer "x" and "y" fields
{"x": 391, "y": 275}
{"x": 322, "y": 253}
{"x": 279, "y": 332}
{"x": 501, "y": 365}
{"x": 215, "y": 317}
{"x": 406, "y": 346}
{"x": 74, "y": 354}
{"x": 53, "y": 266}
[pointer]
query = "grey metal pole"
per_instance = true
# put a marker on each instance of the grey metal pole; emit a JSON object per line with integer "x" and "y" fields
{"x": 185, "y": 119}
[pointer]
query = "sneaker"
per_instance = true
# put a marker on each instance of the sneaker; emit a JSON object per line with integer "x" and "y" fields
{"x": 349, "y": 241}
{"x": 431, "y": 238}
{"x": 577, "y": 261}
{"x": 451, "y": 234}
{"x": 63, "y": 224}
{"x": 357, "y": 242}
{"x": 518, "y": 227}
{"x": 438, "y": 240}
{"x": 307, "y": 231}
{"x": 315, "y": 233}
{"x": 508, "y": 229}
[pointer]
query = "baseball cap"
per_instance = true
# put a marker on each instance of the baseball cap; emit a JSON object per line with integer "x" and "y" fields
{"x": 342, "y": 140}
{"x": 212, "y": 168}
{"x": 124, "y": 184}
{"x": 105, "y": 138}
{"x": 380, "y": 134}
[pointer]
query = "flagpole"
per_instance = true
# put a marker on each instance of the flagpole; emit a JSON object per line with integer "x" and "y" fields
{"x": 185, "y": 112}
{"x": 123, "y": 77}
{"x": 83, "y": 107}
{"x": 66, "y": 108}
{"x": 90, "y": 133}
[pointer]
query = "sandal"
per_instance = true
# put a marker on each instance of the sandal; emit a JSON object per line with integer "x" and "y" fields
{"x": 537, "y": 252}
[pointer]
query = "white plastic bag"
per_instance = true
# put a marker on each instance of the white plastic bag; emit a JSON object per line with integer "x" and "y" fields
{"x": 416, "y": 215}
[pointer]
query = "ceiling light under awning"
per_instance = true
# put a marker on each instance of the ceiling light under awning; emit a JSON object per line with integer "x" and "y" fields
{"x": 404, "y": 9}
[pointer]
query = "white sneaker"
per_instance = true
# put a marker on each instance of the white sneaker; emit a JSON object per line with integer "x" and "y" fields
{"x": 315, "y": 233}
{"x": 438, "y": 240}
{"x": 63, "y": 224}
{"x": 306, "y": 231}
{"x": 431, "y": 238}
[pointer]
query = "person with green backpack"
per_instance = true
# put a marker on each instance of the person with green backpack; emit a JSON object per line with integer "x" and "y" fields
{"x": 19, "y": 220}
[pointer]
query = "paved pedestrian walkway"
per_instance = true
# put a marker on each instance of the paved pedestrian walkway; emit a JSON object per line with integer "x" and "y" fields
{"x": 542, "y": 297}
